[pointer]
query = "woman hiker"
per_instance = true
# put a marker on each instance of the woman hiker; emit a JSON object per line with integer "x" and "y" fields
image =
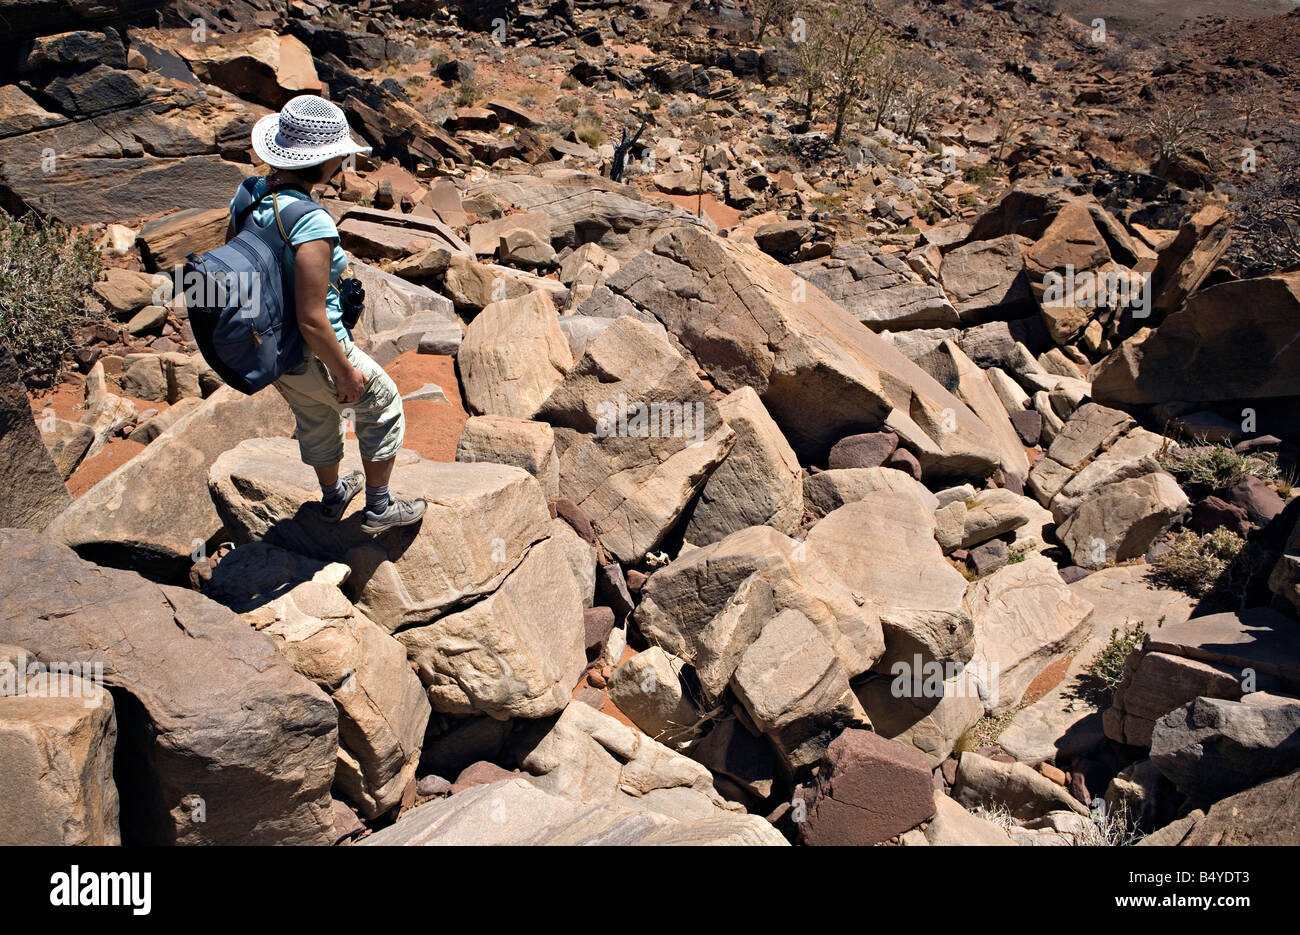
{"x": 305, "y": 145}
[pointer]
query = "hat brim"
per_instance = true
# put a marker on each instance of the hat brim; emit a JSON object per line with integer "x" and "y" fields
{"x": 281, "y": 157}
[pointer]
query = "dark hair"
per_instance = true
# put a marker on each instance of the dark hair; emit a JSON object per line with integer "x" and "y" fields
{"x": 312, "y": 175}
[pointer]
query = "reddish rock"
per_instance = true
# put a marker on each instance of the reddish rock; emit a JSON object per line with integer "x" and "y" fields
{"x": 904, "y": 460}
{"x": 863, "y": 451}
{"x": 868, "y": 790}
{"x": 596, "y": 624}
{"x": 1213, "y": 513}
{"x": 479, "y": 774}
{"x": 1260, "y": 501}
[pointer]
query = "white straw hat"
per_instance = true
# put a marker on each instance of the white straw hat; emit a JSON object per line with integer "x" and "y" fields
{"x": 306, "y": 132}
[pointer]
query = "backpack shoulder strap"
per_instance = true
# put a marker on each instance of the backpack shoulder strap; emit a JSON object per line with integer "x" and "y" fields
{"x": 244, "y": 201}
{"x": 292, "y": 214}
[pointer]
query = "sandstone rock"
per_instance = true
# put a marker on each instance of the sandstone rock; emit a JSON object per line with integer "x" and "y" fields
{"x": 640, "y": 436}
{"x": 592, "y": 757}
{"x": 213, "y": 710}
{"x": 1211, "y": 748}
{"x": 56, "y": 761}
{"x": 869, "y": 789}
{"x": 255, "y": 574}
{"x": 258, "y": 65}
{"x": 953, "y": 826}
{"x": 917, "y": 594}
{"x": 500, "y": 656}
{"x": 758, "y": 484}
{"x": 827, "y": 491}
{"x": 711, "y": 604}
{"x": 925, "y": 710}
{"x": 795, "y": 689}
{"x": 165, "y": 242}
{"x": 67, "y": 443}
{"x": 1025, "y": 619}
{"x": 1121, "y": 520}
{"x": 820, "y": 374}
{"x": 1024, "y": 792}
{"x": 541, "y": 818}
{"x": 513, "y": 356}
{"x": 985, "y": 278}
{"x": 517, "y": 442}
{"x": 1155, "y": 684}
{"x": 881, "y": 292}
{"x": 125, "y": 291}
{"x": 1263, "y": 816}
{"x": 648, "y": 689}
{"x": 1131, "y": 456}
{"x": 121, "y": 521}
{"x": 480, "y": 522}
{"x": 1196, "y": 354}
{"x": 586, "y": 208}
{"x": 33, "y": 484}
{"x": 867, "y": 450}
{"x": 381, "y": 705}
{"x": 956, "y": 372}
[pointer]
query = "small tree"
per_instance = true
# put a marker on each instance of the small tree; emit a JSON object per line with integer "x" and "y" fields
{"x": 837, "y": 54}
{"x": 769, "y": 12}
{"x": 922, "y": 83}
{"x": 1174, "y": 128}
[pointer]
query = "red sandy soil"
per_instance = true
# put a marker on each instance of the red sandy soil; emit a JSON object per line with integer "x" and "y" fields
{"x": 66, "y": 400}
{"x": 432, "y": 428}
{"x": 587, "y": 692}
{"x": 719, "y": 213}
{"x": 1046, "y": 680}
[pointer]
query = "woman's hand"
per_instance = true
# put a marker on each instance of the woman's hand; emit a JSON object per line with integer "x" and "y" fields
{"x": 351, "y": 384}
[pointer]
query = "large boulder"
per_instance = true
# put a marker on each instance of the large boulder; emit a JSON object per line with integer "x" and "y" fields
{"x": 827, "y": 491}
{"x": 536, "y": 817}
{"x": 883, "y": 548}
{"x": 1210, "y": 747}
{"x": 154, "y": 512}
{"x": 795, "y": 689}
{"x": 1025, "y": 619}
{"x": 34, "y": 489}
{"x": 638, "y": 435}
{"x": 585, "y": 208}
{"x": 56, "y": 758}
{"x": 219, "y": 740}
{"x": 880, "y": 291}
{"x": 1121, "y": 520}
{"x": 1231, "y": 341}
{"x": 517, "y": 652}
{"x": 749, "y": 321}
{"x": 592, "y": 757}
{"x": 514, "y": 354}
{"x": 481, "y": 521}
{"x": 759, "y": 483}
{"x": 711, "y": 604}
{"x": 1217, "y": 656}
{"x": 948, "y": 364}
{"x": 381, "y": 705}
{"x": 1264, "y": 815}
{"x": 649, "y": 689}
{"x": 1024, "y": 792}
{"x": 929, "y": 706}
{"x": 518, "y": 442}
{"x": 258, "y": 65}
{"x": 868, "y": 790}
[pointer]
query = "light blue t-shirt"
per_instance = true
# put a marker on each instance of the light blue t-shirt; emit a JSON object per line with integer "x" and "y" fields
{"x": 318, "y": 225}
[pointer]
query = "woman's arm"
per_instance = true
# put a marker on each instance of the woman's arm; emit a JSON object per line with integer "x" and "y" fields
{"x": 311, "y": 277}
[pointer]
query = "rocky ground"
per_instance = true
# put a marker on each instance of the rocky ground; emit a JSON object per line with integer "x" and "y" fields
{"x": 776, "y": 493}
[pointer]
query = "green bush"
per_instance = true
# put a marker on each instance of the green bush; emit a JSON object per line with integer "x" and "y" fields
{"x": 1216, "y": 466}
{"x": 1220, "y": 562}
{"x": 1107, "y": 667}
{"x": 587, "y": 126}
{"x": 46, "y": 275}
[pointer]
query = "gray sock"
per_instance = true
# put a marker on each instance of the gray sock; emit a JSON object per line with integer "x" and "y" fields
{"x": 377, "y": 499}
{"x": 332, "y": 493}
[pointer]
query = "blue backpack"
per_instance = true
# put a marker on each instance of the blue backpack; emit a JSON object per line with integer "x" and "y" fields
{"x": 240, "y": 308}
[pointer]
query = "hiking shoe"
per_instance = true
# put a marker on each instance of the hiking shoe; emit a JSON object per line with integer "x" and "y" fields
{"x": 352, "y": 484}
{"x": 399, "y": 513}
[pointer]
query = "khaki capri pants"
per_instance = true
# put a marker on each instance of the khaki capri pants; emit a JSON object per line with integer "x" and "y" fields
{"x": 376, "y": 418}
